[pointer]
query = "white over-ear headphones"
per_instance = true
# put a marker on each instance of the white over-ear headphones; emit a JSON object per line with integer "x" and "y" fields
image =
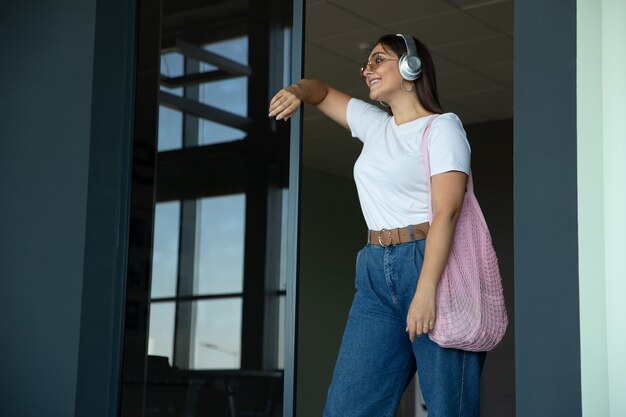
{"x": 410, "y": 65}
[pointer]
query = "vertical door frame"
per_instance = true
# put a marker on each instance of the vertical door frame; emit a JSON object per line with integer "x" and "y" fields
{"x": 293, "y": 224}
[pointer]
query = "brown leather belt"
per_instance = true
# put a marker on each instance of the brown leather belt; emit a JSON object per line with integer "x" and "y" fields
{"x": 387, "y": 237}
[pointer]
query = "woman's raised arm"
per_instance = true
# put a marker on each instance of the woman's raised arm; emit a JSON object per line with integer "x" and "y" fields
{"x": 331, "y": 102}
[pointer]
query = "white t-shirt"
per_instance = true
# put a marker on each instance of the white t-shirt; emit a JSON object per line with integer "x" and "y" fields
{"x": 389, "y": 174}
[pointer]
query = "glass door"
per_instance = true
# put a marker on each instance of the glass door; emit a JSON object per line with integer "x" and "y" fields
{"x": 210, "y": 301}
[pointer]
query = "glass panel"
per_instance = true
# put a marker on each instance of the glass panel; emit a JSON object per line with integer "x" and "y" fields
{"x": 217, "y": 334}
{"x": 211, "y": 132}
{"x": 283, "y": 240}
{"x": 170, "y": 129}
{"x": 235, "y": 49}
{"x": 170, "y": 121}
{"x": 161, "y": 332}
{"x": 172, "y": 66}
{"x": 196, "y": 247}
{"x": 234, "y": 89}
{"x": 281, "y": 332}
{"x": 165, "y": 252}
{"x": 177, "y": 91}
{"x": 220, "y": 263}
{"x": 230, "y": 95}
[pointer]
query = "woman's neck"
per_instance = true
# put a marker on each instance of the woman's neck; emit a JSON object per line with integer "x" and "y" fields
{"x": 406, "y": 109}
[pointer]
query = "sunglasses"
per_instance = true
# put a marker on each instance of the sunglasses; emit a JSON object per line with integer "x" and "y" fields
{"x": 373, "y": 64}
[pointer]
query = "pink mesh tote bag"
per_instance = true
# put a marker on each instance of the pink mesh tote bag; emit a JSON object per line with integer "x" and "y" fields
{"x": 470, "y": 303}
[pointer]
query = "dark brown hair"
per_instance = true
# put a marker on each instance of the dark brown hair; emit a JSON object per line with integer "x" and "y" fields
{"x": 426, "y": 84}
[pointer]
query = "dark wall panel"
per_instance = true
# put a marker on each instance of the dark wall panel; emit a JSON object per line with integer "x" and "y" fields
{"x": 65, "y": 135}
{"x": 546, "y": 234}
{"x": 45, "y": 109}
{"x": 332, "y": 231}
{"x": 492, "y": 169}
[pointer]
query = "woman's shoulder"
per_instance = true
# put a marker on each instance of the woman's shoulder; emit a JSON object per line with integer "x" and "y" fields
{"x": 364, "y": 118}
{"x": 448, "y": 123}
{"x": 448, "y": 129}
{"x": 363, "y": 106}
{"x": 448, "y": 119}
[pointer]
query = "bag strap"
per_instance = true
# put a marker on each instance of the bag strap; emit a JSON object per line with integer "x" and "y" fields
{"x": 426, "y": 158}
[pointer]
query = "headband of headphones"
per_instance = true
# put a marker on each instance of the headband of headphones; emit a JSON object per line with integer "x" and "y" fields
{"x": 411, "y": 49}
{"x": 410, "y": 65}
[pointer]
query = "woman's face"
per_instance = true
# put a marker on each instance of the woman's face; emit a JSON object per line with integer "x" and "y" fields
{"x": 382, "y": 75}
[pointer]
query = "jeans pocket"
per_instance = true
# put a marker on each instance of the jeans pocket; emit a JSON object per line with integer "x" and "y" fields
{"x": 418, "y": 255}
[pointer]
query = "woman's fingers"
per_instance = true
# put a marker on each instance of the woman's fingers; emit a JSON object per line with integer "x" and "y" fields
{"x": 280, "y": 111}
{"x": 415, "y": 329}
{"x": 280, "y": 98}
{"x": 284, "y": 109}
{"x": 419, "y": 327}
{"x": 277, "y": 100}
{"x": 283, "y": 104}
{"x": 421, "y": 315}
{"x": 290, "y": 109}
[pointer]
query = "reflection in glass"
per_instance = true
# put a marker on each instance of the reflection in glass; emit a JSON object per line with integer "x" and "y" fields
{"x": 211, "y": 132}
{"x": 230, "y": 95}
{"x": 165, "y": 251}
{"x": 281, "y": 333}
{"x": 221, "y": 236}
{"x": 235, "y": 49}
{"x": 170, "y": 129}
{"x": 172, "y": 64}
{"x": 283, "y": 240}
{"x": 170, "y": 121}
{"x": 205, "y": 357}
{"x": 282, "y": 286}
{"x": 161, "y": 336}
{"x": 217, "y": 334}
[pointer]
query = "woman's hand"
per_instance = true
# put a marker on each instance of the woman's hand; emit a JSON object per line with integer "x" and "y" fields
{"x": 285, "y": 103}
{"x": 326, "y": 99}
{"x": 421, "y": 317}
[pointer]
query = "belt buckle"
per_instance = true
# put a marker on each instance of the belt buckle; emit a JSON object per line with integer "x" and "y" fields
{"x": 380, "y": 239}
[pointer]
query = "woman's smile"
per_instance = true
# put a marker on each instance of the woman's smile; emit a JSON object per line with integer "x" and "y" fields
{"x": 374, "y": 81}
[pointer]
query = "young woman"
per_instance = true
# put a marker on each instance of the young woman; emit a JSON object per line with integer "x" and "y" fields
{"x": 398, "y": 271}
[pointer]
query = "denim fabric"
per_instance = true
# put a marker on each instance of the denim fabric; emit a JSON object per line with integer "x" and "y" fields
{"x": 377, "y": 360}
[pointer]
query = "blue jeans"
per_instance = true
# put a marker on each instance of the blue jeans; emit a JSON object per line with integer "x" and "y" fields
{"x": 377, "y": 360}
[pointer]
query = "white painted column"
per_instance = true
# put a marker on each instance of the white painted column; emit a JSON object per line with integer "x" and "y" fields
{"x": 601, "y": 113}
{"x": 614, "y": 143}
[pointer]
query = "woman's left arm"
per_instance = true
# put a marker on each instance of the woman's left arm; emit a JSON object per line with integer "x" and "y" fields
{"x": 447, "y": 192}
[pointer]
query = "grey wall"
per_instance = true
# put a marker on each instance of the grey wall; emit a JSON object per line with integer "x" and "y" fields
{"x": 44, "y": 154}
{"x": 50, "y": 180}
{"x": 546, "y": 233}
{"x": 333, "y": 230}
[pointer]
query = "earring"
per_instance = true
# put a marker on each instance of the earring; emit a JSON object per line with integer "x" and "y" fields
{"x": 402, "y": 86}
{"x": 382, "y": 103}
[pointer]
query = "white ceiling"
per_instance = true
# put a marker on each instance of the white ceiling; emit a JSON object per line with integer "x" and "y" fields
{"x": 471, "y": 42}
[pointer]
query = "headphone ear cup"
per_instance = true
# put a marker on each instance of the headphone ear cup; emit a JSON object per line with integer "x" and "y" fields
{"x": 410, "y": 67}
